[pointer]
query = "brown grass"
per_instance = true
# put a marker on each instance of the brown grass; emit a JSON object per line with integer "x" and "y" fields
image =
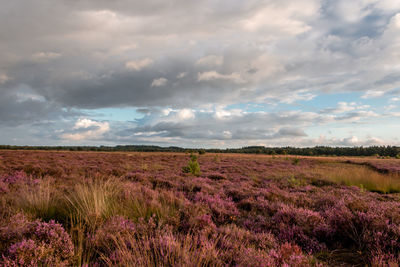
{"x": 361, "y": 176}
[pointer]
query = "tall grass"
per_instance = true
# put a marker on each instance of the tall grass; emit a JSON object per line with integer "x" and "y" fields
{"x": 83, "y": 250}
{"x": 41, "y": 200}
{"x": 94, "y": 201}
{"x": 161, "y": 206}
{"x": 361, "y": 176}
{"x": 162, "y": 250}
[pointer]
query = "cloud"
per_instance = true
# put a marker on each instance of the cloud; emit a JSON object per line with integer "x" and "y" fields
{"x": 138, "y": 64}
{"x": 283, "y": 55}
{"x": 220, "y": 124}
{"x": 373, "y": 94}
{"x": 301, "y": 95}
{"x": 213, "y": 75}
{"x": 45, "y": 56}
{"x": 185, "y": 114}
{"x": 356, "y": 116}
{"x": 22, "y": 106}
{"x": 3, "y": 78}
{"x": 181, "y": 75}
{"x": 290, "y": 132}
{"x": 210, "y": 60}
{"x": 86, "y": 129}
{"x": 354, "y": 141}
{"x": 284, "y": 17}
{"x": 343, "y": 107}
{"x": 267, "y": 66}
{"x": 394, "y": 99}
{"x": 159, "y": 82}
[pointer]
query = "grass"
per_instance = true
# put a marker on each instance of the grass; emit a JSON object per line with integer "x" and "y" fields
{"x": 83, "y": 250}
{"x": 163, "y": 250}
{"x": 94, "y": 201}
{"x": 161, "y": 206}
{"x": 41, "y": 201}
{"x": 361, "y": 176}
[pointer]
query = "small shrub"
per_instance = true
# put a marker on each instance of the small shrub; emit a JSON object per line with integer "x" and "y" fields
{"x": 193, "y": 166}
{"x": 223, "y": 209}
{"x": 295, "y": 182}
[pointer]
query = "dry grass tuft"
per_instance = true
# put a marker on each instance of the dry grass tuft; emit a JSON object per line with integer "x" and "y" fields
{"x": 41, "y": 200}
{"x": 94, "y": 201}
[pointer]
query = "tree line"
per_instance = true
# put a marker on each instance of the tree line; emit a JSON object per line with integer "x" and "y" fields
{"x": 385, "y": 151}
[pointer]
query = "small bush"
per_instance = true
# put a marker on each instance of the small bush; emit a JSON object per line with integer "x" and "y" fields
{"x": 193, "y": 166}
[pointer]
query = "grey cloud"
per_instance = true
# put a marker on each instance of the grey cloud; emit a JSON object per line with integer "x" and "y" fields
{"x": 290, "y": 132}
{"x": 15, "y": 111}
{"x": 88, "y": 75}
{"x": 355, "y": 116}
{"x": 207, "y": 126}
{"x": 73, "y": 55}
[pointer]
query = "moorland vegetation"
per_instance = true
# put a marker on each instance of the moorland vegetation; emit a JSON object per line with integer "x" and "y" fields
{"x": 173, "y": 209}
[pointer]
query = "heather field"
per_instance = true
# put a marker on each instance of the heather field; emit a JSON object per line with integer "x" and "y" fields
{"x": 174, "y": 209}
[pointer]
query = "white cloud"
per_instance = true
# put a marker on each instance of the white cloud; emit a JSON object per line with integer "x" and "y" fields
{"x": 373, "y": 94}
{"x": 186, "y": 114}
{"x": 25, "y": 96}
{"x": 343, "y": 107}
{"x": 159, "y": 82}
{"x": 166, "y": 111}
{"x": 45, "y": 56}
{"x": 346, "y": 141}
{"x": 213, "y": 75}
{"x": 222, "y": 113}
{"x": 4, "y": 78}
{"x": 303, "y": 95}
{"x": 355, "y": 141}
{"x": 210, "y": 60}
{"x": 181, "y": 75}
{"x": 138, "y": 64}
{"x": 95, "y": 130}
{"x": 283, "y": 17}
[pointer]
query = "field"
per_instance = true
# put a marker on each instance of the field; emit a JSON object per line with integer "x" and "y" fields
{"x": 152, "y": 209}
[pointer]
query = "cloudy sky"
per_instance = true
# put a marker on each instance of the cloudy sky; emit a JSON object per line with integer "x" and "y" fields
{"x": 200, "y": 73}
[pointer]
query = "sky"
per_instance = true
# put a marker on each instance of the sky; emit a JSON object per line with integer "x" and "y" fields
{"x": 200, "y": 73}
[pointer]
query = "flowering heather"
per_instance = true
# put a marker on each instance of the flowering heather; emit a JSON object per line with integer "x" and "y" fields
{"x": 35, "y": 243}
{"x": 131, "y": 209}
